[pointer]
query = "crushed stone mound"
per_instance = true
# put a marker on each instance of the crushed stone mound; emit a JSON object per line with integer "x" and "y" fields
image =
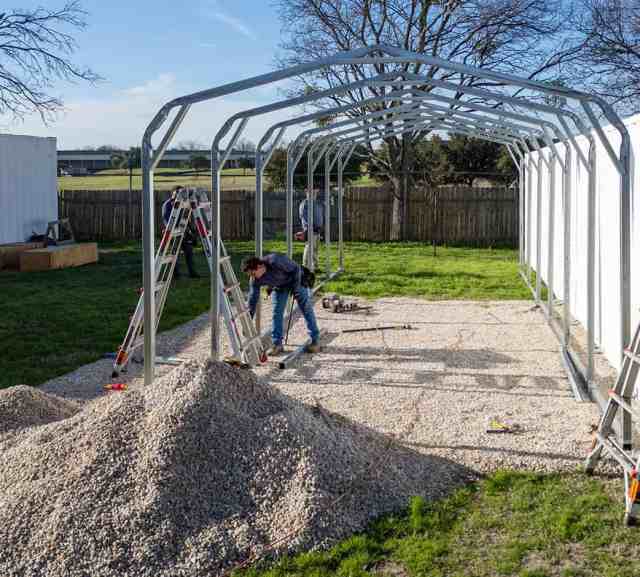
{"x": 23, "y": 406}
{"x": 206, "y": 469}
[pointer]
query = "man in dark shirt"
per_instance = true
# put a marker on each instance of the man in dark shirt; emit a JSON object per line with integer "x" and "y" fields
{"x": 189, "y": 238}
{"x": 283, "y": 276}
{"x": 318, "y": 228}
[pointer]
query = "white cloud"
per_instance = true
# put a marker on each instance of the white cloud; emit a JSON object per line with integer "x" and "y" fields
{"x": 235, "y": 23}
{"x": 155, "y": 86}
{"x": 122, "y": 117}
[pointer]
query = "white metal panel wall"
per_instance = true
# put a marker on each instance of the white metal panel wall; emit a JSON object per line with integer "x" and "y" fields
{"x": 607, "y": 312}
{"x": 28, "y": 186}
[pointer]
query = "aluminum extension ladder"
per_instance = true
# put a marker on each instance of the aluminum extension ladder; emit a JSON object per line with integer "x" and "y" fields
{"x": 605, "y": 435}
{"x": 245, "y": 343}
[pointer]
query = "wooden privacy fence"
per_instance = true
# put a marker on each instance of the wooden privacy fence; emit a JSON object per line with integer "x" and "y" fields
{"x": 446, "y": 215}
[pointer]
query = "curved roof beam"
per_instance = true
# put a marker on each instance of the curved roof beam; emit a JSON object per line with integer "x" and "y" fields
{"x": 303, "y": 138}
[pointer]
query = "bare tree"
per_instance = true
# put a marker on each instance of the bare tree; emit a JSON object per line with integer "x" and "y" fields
{"x": 35, "y": 51}
{"x": 522, "y": 37}
{"x": 246, "y": 145}
{"x": 610, "y": 57}
{"x": 190, "y": 145}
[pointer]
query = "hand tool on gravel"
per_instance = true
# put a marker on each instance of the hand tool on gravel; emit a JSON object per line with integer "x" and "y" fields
{"x": 385, "y": 328}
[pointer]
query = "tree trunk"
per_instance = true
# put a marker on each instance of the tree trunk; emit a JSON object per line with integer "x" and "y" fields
{"x": 402, "y": 183}
{"x": 407, "y": 165}
{"x": 397, "y": 209}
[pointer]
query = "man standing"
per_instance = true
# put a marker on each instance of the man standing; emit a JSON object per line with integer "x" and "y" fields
{"x": 318, "y": 228}
{"x": 282, "y": 276}
{"x": 188, "y": 239}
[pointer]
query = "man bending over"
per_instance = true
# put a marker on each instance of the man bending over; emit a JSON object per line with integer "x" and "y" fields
{"x": 282, "y": 276}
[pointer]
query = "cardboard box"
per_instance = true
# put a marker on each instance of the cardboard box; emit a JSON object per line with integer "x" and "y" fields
{"x": 63, "y": 256}
{"x": 10, "y": 253}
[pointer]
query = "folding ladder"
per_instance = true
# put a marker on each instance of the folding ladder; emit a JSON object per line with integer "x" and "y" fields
{"x": 245, "y": 340}
{"x": 245, "y": 344}
{"x": 619, "y": 398}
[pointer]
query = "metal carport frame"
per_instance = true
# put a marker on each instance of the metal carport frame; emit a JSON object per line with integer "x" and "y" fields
{"x": 380, "y": 56}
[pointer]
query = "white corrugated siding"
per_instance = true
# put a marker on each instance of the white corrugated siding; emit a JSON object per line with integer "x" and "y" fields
{"x": 607, "y": 244}
{"x": 28, "y": 186}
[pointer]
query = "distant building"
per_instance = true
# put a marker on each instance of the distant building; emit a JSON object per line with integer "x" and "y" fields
{"x": 85, "y": 161}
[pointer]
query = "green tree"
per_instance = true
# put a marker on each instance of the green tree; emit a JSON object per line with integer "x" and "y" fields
{"x": 199, "y": 162}
{"x": 276, "y": 170}
{"x": 116, "y": 160}
{"x": 469, "y": 158}
{"x": 432, "y": 164}
{"x": 132, "y": 157}
{"x": 506, "y": 167}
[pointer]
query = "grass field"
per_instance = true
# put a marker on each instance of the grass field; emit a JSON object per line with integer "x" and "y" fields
{"x": 59, "y": 320}
{"x": 167, "y": 178}
{"x": 164, "y": 179}
{"x": 510, "y": 524}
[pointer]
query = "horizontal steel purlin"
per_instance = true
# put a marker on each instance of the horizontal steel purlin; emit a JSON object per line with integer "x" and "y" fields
{"x": 364, "y": 133}
{"x": 412, "y": 94}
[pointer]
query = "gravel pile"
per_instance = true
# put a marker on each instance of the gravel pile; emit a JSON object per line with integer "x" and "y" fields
{"x": 204, "y": 470}
{"x": 23, "y": 406}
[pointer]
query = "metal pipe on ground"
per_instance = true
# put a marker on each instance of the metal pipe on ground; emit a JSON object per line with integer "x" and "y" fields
{"x": 292, "y": 356}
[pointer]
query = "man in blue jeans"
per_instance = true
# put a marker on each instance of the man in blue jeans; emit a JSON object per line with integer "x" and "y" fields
{"x": 282, "y": 276}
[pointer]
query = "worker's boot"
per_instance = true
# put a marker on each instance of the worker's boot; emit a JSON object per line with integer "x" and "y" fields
{"x": 275, "y": 350}
{"x": 312, "y": 347}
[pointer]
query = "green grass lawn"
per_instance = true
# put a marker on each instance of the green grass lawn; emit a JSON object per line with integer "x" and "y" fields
{"x": 509, "y": 524}
{"x": 410, "y": 269}
{"x": 167, "y": 178}
{"x": 59, "y": 320}
{"x": 164, "y": 179}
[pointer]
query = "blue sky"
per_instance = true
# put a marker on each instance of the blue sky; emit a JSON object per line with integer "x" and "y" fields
{"x": 149, "y": 52}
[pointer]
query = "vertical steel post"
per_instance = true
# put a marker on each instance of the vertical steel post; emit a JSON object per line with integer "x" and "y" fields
{"x": 625, "y": 272}
{"x": 327, "y": 213}
{"x": 289, "y": 193}
{"x": 148, "y": 259}
{"x": 539, "y": 230}
{"x": 591, "y": 241}
{"x": 215, "y": 254}
{"x": 340, "y": 216}
{"x": 566, "y": 195}
{"x": 311, "y": 237}
{"x": 522, "y": 196}
{"x": 529, "y": 220}
{"x": 259, "y": 226}
{"x": 551, "y": 233}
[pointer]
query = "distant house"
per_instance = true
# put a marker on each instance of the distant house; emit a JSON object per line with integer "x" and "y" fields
{"x": 78, "y": 162}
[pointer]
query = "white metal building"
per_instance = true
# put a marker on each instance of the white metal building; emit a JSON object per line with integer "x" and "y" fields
{"x": 28, "y": 186}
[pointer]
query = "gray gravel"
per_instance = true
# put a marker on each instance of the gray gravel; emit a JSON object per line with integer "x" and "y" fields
{"x": 436, "y": 388}
{"x": 204, "y": 470}
{"x": 23, "y": 406}
{"x": 210, "y": 467}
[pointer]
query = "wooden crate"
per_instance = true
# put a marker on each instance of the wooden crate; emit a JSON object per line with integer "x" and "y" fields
{"x": 59, "y": 256}
{"x": 10, "y": 253}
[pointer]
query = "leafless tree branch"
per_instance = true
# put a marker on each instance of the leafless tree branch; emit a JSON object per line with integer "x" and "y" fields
{"x": 35, "y": 50}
